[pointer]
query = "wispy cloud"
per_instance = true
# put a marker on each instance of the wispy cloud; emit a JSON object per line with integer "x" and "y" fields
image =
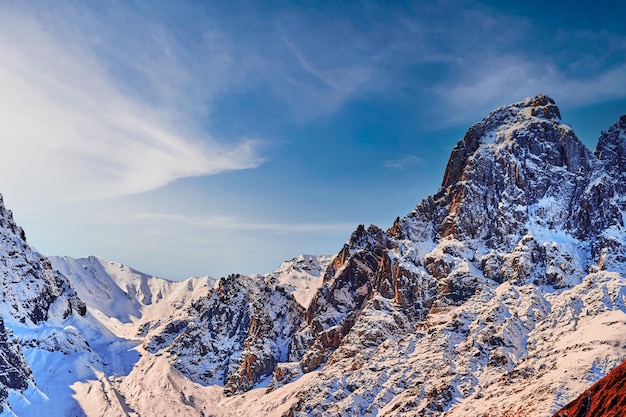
{"x": 115, "y": 110}
{"x": 70, "y": 131}
{"x": 501, "y": 80}
{"x": 231, "y": 223}
{"x": 316, "y": 84}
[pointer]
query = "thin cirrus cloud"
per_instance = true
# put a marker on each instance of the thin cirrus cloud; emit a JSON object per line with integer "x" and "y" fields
{"x": 230, "y": 223}
{"x": 67, "y": 121}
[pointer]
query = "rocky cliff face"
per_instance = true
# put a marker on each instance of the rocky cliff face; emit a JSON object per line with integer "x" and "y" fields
{"x": 31, "y": 291}
{"x": 14, "y": 371}
{"x": 239, "y": 332}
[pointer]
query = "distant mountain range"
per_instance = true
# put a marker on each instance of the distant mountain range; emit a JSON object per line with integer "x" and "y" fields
{"x": 501, "y": 295}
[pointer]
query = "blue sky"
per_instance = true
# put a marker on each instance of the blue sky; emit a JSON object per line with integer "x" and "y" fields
{"x": 204, "y": 138}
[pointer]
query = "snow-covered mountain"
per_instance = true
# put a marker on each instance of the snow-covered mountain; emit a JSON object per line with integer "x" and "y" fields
{"x": 502, "y": 295}
{"x": 489, "y": 295}
{"x": 115, "y": 291}
{"x": 67, "y": 365}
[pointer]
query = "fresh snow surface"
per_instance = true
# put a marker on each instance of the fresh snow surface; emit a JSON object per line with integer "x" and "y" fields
{"x": 302, "y": 276}
{"x": 122, "y": 298}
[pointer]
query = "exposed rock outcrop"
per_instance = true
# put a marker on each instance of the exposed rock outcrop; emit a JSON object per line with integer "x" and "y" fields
{"x": 237, "y": 335}
{"x": 31, "y": 291}
{"x": 606, "y": 398}
{"x": 14, "y": 371}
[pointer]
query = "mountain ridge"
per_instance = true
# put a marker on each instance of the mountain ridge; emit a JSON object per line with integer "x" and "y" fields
{"x": 509, "y": 211}
{"x": 502, "y": 294}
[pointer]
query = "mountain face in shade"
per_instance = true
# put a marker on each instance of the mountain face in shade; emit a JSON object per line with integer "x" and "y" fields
{"x": 503, "y": 294}
{"x": 606, "y": 398}
{"x": 32, "y": 294}
{"x": 14, "y": 371}
{"x": 30, "y": 290}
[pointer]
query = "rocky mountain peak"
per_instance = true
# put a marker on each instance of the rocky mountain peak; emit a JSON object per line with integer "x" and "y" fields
{"x": 529, "y": 128}
{"x": 516, "y": 180}
{"x": 515, "y": 158}
{"x": 611, "y": 148}
{"x": 543, "y": 106}
{"x": 8, "y": 224}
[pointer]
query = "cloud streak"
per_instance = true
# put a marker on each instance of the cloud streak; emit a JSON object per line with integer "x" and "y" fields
{"x": 402, "y": 163}
{"x": 70, "y": 131}
{"x": 500, "y": 80}
{"x": 231, "y": 223}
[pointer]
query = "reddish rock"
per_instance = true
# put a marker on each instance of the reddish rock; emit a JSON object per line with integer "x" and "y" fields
{"x": 605, "y": 398}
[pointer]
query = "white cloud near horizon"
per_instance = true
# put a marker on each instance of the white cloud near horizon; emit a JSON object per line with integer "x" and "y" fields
{"x": 70, "y": 132}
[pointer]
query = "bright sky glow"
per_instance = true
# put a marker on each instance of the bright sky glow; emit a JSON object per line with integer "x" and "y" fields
{"x": 204, "y": 138}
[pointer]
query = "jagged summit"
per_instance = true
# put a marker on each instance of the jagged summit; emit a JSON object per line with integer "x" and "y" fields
{"x": 540, "y": 106}
{"x": 515, "y": 172}
{"x": 530, "y": 128}
{"x": 32, "y": 292}
{"x": 507, "y": 117}
{"x": 611, "y": 148}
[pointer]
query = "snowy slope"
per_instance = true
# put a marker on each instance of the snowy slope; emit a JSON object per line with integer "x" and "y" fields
{"x": 125, "y": 299}
{"x": 61, "y": 348}
{"x": 302, "y": 276}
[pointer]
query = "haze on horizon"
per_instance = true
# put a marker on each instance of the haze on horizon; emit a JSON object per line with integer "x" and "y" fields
{"x": 206, "y": 138}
